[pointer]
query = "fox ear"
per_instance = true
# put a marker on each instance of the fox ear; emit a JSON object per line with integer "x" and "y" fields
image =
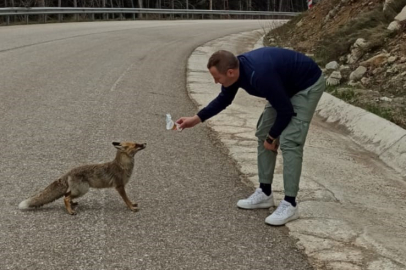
{"x": 117, "y": 145}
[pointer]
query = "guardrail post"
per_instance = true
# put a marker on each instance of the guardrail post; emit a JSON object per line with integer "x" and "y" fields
{"x": 7, "y": 20}
{"x": 26, "y": 19}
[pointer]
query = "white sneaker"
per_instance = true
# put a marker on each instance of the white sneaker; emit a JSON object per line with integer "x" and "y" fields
{"x": 256, "y": 200}
{"x": 283, "y": 214}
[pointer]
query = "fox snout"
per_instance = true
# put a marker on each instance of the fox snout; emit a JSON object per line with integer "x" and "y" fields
{"x": 142, "y": 146}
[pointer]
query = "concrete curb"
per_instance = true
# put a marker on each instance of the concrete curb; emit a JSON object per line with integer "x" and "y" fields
{"x": 374, "y": 133}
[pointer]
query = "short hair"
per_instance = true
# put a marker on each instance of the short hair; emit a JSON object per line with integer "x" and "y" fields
{"x": 223, "y": 60}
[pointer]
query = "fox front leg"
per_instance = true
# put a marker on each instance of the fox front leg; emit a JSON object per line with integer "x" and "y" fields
{"x": 68, "y": 204}
{"x": 123, "y": 194}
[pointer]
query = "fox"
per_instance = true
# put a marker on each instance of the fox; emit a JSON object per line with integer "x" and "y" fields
{"x": 77, "y": 181}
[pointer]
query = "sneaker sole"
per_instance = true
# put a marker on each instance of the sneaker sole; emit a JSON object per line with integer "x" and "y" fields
{"x": 256, "y": 206}
{"x": 283, "y": 222}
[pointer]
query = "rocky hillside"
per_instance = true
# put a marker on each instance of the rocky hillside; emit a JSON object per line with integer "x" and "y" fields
{"x": 360, "y": 45}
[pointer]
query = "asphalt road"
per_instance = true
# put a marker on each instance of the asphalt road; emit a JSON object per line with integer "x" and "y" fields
{"x": 69, "y": 90}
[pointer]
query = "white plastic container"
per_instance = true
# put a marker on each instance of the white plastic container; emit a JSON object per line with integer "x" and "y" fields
{"x": 170, "y": 125}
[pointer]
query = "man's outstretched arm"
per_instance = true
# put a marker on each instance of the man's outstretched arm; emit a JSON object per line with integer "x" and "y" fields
{"x": 218, "y": 104}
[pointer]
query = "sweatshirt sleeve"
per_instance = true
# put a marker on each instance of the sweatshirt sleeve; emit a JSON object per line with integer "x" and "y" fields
{"x": 222, "y": 101}
{"x": 273, "y": 90}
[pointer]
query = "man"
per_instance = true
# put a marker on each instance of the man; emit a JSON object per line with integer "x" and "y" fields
{"x": 292, "y": 83}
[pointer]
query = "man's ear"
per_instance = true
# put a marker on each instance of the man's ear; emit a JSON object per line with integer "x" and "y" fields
{"x": 231, "y": 72}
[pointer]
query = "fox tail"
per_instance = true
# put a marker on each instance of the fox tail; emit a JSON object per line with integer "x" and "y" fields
{"x": 51, "y": 193}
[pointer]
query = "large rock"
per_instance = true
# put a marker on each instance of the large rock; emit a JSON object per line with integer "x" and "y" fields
{"x": 394, "y": 26}
{"x": 334, "y": 78}
{"x": 358, "y": 49}
{"x": 357, "y": 74}
{"x": 402, "y": 15}
{"x": 362, "y": 44}
{"x": 332, "y": 65}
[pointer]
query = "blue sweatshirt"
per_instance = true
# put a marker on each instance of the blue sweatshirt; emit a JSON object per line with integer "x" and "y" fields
{"x": 275, "y": 74}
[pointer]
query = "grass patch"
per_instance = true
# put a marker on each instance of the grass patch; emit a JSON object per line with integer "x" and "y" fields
{"x": 331, "y": 88}
{"x": 347, "y": 95}
{"x": 385, "y": 113}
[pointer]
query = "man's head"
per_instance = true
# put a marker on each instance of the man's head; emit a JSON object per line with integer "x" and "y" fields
{"x": 224, "y": 67}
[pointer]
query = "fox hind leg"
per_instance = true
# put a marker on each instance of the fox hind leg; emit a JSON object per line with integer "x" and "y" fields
{"x": 76, "y": 190}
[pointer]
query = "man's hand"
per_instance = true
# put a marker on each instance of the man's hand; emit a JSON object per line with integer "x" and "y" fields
{"x": 188, "y": 122}
{"x": 272, "y": 146}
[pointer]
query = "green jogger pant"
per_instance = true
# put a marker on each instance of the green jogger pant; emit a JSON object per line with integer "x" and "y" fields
{"x": 291, "y": 140}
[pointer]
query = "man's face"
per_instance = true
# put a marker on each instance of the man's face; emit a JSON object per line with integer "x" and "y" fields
{"x": 225, "y": 80}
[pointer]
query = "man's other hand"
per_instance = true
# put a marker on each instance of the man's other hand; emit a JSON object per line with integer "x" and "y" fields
{"x": 272, "y": 146}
